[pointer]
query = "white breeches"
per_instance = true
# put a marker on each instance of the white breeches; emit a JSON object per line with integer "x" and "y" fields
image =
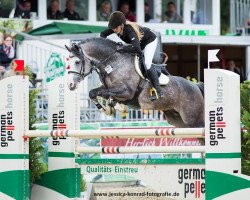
{"x": 149, "y": 52}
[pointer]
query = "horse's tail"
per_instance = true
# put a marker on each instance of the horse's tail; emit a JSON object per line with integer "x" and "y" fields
{"x": 201, "y": 87}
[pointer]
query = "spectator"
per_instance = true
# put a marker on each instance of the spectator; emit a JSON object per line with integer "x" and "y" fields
{"x": 124, "y": 8}
{"x": 231, "y": 66}
{"x": 171, "y": 16}
{"x": 147, "y": 17}
{"x": 53, "y": 10}
{"x": 70, "y": 12}
{"x": 23, "y": 11}
{"x": 104, "y": 11}
{"x": 7, "y": 53}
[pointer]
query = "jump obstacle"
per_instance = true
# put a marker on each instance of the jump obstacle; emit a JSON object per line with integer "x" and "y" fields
{"x": 222, "y": 115}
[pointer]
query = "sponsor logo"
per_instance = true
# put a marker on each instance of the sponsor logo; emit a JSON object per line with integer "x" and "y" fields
{"x": 193, "y": 181}
{"x": 61, "y": 97}
{"x": 58, "y": 118}
{"x": 58, "y": 123}
{"x": 7, "y": 129}
{"x": 9, "y": 104}
{"x": 55, "y": 67}
{"x": 217, "y": 122}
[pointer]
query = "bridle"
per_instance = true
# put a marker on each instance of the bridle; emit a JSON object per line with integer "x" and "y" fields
{"x": 79, "y": 53}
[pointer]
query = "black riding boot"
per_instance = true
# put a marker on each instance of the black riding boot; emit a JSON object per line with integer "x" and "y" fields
{"x": 153, "y": 77}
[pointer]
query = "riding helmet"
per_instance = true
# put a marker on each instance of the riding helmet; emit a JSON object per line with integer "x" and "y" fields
{"x": 117, "y": 18}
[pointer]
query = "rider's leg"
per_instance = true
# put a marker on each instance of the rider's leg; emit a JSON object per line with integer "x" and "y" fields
{"x": 154, "y": 79}
{"x": 149, "y": 52}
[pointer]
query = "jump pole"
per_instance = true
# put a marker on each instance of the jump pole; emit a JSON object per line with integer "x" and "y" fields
{"x": 121, "y": 133}
{"x": 141, "y": 149}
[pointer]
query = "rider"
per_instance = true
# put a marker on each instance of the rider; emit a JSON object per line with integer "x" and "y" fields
{"x": 141, "y": 38}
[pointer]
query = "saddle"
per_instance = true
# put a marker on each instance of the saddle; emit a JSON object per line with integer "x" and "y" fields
{"x": 160, "y": 68}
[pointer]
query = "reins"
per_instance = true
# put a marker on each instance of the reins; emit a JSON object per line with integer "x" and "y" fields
{"x": 79, "y": 53}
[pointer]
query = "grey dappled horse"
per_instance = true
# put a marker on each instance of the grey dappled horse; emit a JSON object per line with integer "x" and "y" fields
{"x": 182, "y": 102}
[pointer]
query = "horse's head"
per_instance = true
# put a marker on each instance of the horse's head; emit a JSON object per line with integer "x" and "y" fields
{"x": 80, "y": 66}
{"x": 87, "y": 56}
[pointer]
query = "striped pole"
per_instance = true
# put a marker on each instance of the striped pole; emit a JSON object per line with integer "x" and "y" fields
{"x": 121, "y": 133}
{"x": 142, "y": 149}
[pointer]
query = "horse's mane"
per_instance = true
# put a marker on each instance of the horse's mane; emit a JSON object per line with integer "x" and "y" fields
{"x": 100, "y": 41}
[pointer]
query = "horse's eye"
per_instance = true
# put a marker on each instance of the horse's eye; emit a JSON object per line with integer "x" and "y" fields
{"x": 77, "y": 63}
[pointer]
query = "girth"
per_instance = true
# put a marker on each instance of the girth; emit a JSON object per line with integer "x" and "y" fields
{"x": 134, "y": 100}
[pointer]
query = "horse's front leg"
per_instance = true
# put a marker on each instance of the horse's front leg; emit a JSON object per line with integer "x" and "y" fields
{"x": 119, "y": 91}
{"x": 93, "y": 96}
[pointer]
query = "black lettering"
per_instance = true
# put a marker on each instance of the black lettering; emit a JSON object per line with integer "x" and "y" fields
{"x": 185, "y": 175}
{"x": 213, "y": 143}
{"x": 219, "y": 109}
{"x": 61, "y": 121}
{"x": 212, "y": 137}
{"x": 55, "y": 142}
{"x": 203, "y": 188}
{"x": 219, "y": 130}
{"x": 196, "y": 174}
{"x": 186, "y": 189}
{"x": 191, "y": 188}
{"x": 180, "y": 176}
{"x": 4, "y": 144}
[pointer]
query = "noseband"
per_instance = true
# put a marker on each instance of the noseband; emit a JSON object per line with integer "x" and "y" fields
{"x": 77, "y": 51}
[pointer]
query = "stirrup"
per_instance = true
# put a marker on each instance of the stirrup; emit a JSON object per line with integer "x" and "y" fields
{"x": 153, "y": 94}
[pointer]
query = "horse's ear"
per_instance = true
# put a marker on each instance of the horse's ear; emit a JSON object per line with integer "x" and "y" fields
{"x": 68, "y": 48}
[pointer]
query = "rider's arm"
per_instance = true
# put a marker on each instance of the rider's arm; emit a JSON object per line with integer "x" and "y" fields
{"x": 136, "y": 47}
{"x": 106, "y": 33}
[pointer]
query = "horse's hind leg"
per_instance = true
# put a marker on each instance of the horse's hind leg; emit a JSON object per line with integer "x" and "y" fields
{"x": 193, "y": 118}
{"x": 174, "y": 118}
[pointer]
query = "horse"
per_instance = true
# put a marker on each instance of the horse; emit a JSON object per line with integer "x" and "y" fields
{"x": 182, "y": 101}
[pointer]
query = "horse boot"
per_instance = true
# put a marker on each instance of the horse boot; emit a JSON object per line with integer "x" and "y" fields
{"x": 154, "y": 79}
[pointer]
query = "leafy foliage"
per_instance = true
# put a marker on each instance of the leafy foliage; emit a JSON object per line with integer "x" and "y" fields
{"x": 245, "y": 119}
{"x": 83, "y": 184}
{"x": 15, "y": 24}
{"x": 36, "y": 165}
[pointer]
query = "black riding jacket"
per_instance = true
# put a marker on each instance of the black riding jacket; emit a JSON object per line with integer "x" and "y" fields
{"x": 129, "y": 36}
